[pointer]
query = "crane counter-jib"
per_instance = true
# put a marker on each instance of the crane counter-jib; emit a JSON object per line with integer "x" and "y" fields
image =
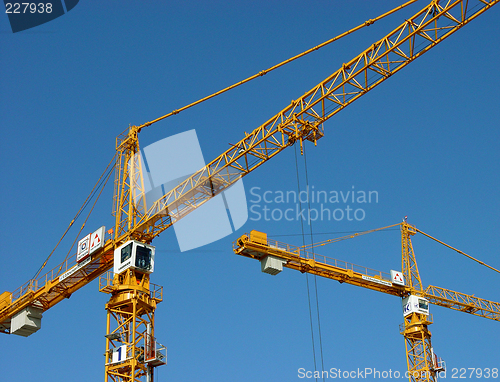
{"x": 56, "y": 285}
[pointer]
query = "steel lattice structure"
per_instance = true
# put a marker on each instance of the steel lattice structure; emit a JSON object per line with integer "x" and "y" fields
{"x": 302, "y": 120}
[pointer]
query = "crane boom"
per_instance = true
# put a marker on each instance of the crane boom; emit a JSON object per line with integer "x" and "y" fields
{"x": 257, "y": 245}
{"x": 301, "y": 120}
{"x": 462, "y": 302}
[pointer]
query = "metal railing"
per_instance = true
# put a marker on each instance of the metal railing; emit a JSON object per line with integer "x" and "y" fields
{"x": 156, "y": 292}
{"x": 328, "y": 260}
{"x": 106, "y": 284}
{"x": 34, "y": 285}
{"x": 429, "y": 320}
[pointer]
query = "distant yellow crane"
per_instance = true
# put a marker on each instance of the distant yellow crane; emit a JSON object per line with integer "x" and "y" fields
{"x": 132, "y": 351}
{"x": 423, "y": 363}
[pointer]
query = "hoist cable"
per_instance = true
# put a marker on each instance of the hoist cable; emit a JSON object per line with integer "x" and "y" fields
{"x": 312, "y": 249}
{"x": 307, "y": 276}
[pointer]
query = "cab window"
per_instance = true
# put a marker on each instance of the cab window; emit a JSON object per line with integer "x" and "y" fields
{"x": 126, "y": 252}
{"x": 143, "y": 257}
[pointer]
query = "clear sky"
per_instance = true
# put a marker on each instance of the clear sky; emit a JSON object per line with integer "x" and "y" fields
{"x": 426, "y": 141}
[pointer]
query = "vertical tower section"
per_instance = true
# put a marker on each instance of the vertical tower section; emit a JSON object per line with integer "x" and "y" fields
{"x": 419, "y": 354}
{"x": 129, "y": 201}
{"x": 409, "y": 263}
{"x": 132, "y": 351}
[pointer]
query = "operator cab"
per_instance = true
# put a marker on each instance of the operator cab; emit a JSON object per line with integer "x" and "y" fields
{"x": 415, "y": 304}
{"x": 134, "y": 255}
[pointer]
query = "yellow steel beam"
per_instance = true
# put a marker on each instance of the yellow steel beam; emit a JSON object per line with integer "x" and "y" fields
{"x": 408, "y": 260}
{"x": 57, "y": 284}
{"x": 418, "y": 348}
{"x": 130, "y": 311}
{"x": 257, "y": 245}
{"x": 301, "y": 120}
{"x": 462, "y": 302}
{"x": 303, "y": 261}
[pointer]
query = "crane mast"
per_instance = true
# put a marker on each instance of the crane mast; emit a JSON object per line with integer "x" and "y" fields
{"x": 132, "y": 351}
{"x": 419, "y": 353}
{"x": 132, "y": 302}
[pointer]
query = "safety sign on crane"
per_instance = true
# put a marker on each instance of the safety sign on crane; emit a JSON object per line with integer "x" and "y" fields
{"x": 83, "y": 249}
{"x": 96, "y": 240}
{"x": 397, "y": 278}
{"x": 89, "y": 244}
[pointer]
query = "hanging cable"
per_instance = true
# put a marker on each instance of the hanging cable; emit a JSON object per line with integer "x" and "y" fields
{"x": 105, "y": 180}
{"x": 85, "y": 203}
{"x": 327, "y": 233}
{"x": 307, "y": 276}
{"x": 312, "y": 249}
{"x": 355, "y": 234}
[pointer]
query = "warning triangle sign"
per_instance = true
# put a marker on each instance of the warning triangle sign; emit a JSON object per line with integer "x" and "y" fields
{"x": 97, "y": 239}
{"x": 397, "y": 278}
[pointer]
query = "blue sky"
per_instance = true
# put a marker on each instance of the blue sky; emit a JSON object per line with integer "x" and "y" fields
{"x": 426, "y": 141}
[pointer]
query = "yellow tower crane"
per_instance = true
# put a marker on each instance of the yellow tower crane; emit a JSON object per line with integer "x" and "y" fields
{"x": 131, "y": 348}
{"x": 423, "y": 363}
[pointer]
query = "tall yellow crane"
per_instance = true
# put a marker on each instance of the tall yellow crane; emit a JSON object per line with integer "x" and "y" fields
{"x": 423, "y": 364}
{"x": 131, "y": 348}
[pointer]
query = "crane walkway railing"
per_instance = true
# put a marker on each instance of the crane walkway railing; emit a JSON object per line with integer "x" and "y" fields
{"x": 345, "y": 265}
{"x": 58, "y": 283}
{"x": 34, "y": 285}
{"x": 258, "y": 246}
